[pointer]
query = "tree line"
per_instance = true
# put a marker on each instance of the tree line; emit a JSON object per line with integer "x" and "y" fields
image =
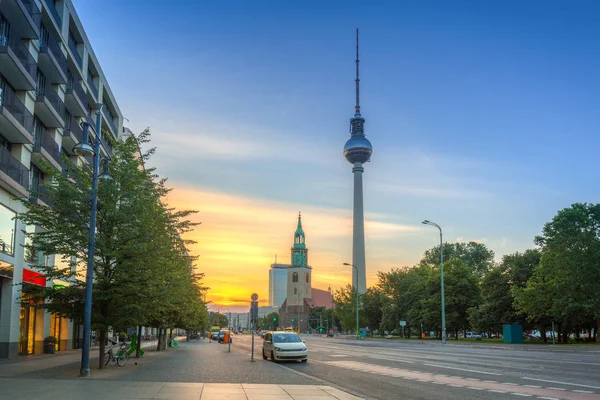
{"x": 143, "y": 274}
{"x": 556, "y": 284}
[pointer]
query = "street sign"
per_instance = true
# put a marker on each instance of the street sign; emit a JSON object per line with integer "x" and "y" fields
{"x": 402, "y": 323}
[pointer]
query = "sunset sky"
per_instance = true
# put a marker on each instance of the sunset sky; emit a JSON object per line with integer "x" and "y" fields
{"x": 484, "y": 117}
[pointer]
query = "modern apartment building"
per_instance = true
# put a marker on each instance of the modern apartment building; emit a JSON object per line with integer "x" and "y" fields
{"x": 278, "y": 277}
{"x": 50, "y": 82}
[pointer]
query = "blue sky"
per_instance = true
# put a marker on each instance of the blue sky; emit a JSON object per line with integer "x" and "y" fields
{"x": 484, "y": 116}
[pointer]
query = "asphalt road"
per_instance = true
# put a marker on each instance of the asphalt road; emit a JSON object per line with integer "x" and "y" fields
{"x": 392, "y": 370}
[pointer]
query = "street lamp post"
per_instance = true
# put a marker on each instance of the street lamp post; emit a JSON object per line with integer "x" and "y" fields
{"x": 426, "y": 222}
{"x": 356, "y": 269}
{"x": 85, "y": 150}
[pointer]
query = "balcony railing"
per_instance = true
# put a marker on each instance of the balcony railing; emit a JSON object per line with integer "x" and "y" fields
{"x": 49, "y": 41}
{"x": 93, "y": 87}
{"x": 13, "y": 168}
{"x": 16, "y": 45}
{"x": 76, "y": 56}
{"x": 33, "y": 10}
{"x": 53, "y": 12}
{"x": 53, "y": 98}
{"x": 10, "y": 101}
{"x": 76, "y": 88}
{"x": 43, "y": 140}
{"x": 39, "y": 191}
{"x": 110, "y": 121}
{"x": 103, "y": 139}
{"x": 75, "y": 129}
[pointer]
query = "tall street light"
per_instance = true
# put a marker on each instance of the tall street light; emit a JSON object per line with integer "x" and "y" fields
{"x": 84, "y": 149}
{"x": 356, "y": 269}
{"x": 426, "y": 222}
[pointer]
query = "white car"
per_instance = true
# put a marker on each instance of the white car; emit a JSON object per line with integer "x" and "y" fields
{"x": 280, "y": 346}
{"x": 473, "y": 335}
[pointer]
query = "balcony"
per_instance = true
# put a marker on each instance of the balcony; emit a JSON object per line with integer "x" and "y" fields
{"x": 24, "y": 16}
{"x": 73, "y": 134}
{"x": 16, "y": 63}
{"x": 106, "y": 145}
{"x": 14, "y": 176}
{"x": 75, "y": 98}
{"x": 53, "y": 11}
{"x": 47, "y": 147}
{"x": 16, "y": 122}
{"x": 75, "y": 53}
{"x": 49, "y": 108}
{"x": 51, "y": 59}
{"x": 40, "y": 194}
{"x": 110, "y": 122}
{"x": 93, "y": 88}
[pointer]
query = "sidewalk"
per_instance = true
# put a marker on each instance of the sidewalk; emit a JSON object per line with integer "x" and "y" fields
{"x": 50, "y": 389}
{"x": 195, "y": 370}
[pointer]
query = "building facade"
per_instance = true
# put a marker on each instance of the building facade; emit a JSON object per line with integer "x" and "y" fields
{"x": 50, "y": 82}
{"x": 278, "y": 278}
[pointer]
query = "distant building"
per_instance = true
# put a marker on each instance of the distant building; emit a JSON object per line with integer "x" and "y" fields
{"x": 278, "y": 278}
{"x": 301, "y": 297}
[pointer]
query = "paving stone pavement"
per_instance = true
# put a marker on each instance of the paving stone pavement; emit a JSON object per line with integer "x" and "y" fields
{"x": 72, "y": 389}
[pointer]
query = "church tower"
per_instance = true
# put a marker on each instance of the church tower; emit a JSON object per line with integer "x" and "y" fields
{"x": 299, "y": 273}
{"x": 299, "y": 250}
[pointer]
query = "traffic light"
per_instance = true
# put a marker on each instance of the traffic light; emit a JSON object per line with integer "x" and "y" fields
{"x": 263, "y": 325}
{"x": 292, "y": 319}
{"x": 274, "y": 319}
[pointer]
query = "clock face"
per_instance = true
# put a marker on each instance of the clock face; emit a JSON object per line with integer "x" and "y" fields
{"x": 254, "y": 297}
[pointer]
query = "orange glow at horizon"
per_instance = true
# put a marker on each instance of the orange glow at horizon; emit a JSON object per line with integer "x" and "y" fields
{"x": 239, "y": 238}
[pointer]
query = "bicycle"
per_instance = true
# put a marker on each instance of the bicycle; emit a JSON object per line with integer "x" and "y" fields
{"x": 120, "y": 358}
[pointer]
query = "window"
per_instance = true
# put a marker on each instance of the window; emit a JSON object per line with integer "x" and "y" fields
{"x": 7, "y": 230}
{"x": 295, "y": 290}
{"x": 294, "y": 276}
{"x": 307, "y": 277}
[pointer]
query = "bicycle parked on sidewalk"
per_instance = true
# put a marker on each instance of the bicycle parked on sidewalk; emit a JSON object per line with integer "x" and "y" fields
{"x": 120, "y": 357}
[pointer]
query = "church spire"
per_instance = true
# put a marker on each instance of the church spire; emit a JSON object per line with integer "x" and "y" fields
{"x": 299, "y": 230}
{"x": 299, "y": 250}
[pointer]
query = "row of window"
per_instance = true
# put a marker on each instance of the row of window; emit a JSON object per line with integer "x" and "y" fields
{"x": 295, "y": 277}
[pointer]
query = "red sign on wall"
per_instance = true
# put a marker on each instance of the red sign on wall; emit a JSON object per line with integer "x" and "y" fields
{"x": 33, "y": 277}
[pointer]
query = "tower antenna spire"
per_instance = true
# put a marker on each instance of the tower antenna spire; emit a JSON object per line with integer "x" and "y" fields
{"x": 357, "y": 108}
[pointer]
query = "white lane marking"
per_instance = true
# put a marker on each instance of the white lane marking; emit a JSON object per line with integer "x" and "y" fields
{"x": 454, "y": 385}
{"x": 555, "y": 388}
{"x": 533, "y": 386}
{"x": 491, "y": 381}
{"x": 548, "y": 398}
{"x": 497, "y": 391}
{"x": 562, "y": 383}
{"x": 509, "y": 383}
{"x": 583, "y": 391}
{"x": 391, "y": 359}
{"x": 475, "y": 388}
{"x": 522, "y": 394}
{"x": 338, "y": 355}
{"x": 462, "y": 369}
{"x": 473, "y": 379}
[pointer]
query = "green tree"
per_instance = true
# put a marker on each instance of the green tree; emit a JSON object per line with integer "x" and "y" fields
{"x": 137, "y": 242}
{"x": 497, "y": 306}
{"x": 475, "y": 255}
{"x": 372, "y": 308}
{"x": 345, "y": 307}
{"x": 567, "y": 280}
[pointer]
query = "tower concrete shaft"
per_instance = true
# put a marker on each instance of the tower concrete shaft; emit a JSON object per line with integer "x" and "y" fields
{"x": 358, "y": 236}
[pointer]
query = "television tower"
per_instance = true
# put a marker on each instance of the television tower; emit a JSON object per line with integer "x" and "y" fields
{"x": 358, "y": 151}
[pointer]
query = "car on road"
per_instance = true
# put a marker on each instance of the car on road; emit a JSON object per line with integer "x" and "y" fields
{"x": 473, "y": 335}
{"x": 284, "y": 346}
{"x": 222, "y": 336}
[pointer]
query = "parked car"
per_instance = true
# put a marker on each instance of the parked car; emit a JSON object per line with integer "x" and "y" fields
{"x": 283, "y": 346}
{"x": 473, "y": 335}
